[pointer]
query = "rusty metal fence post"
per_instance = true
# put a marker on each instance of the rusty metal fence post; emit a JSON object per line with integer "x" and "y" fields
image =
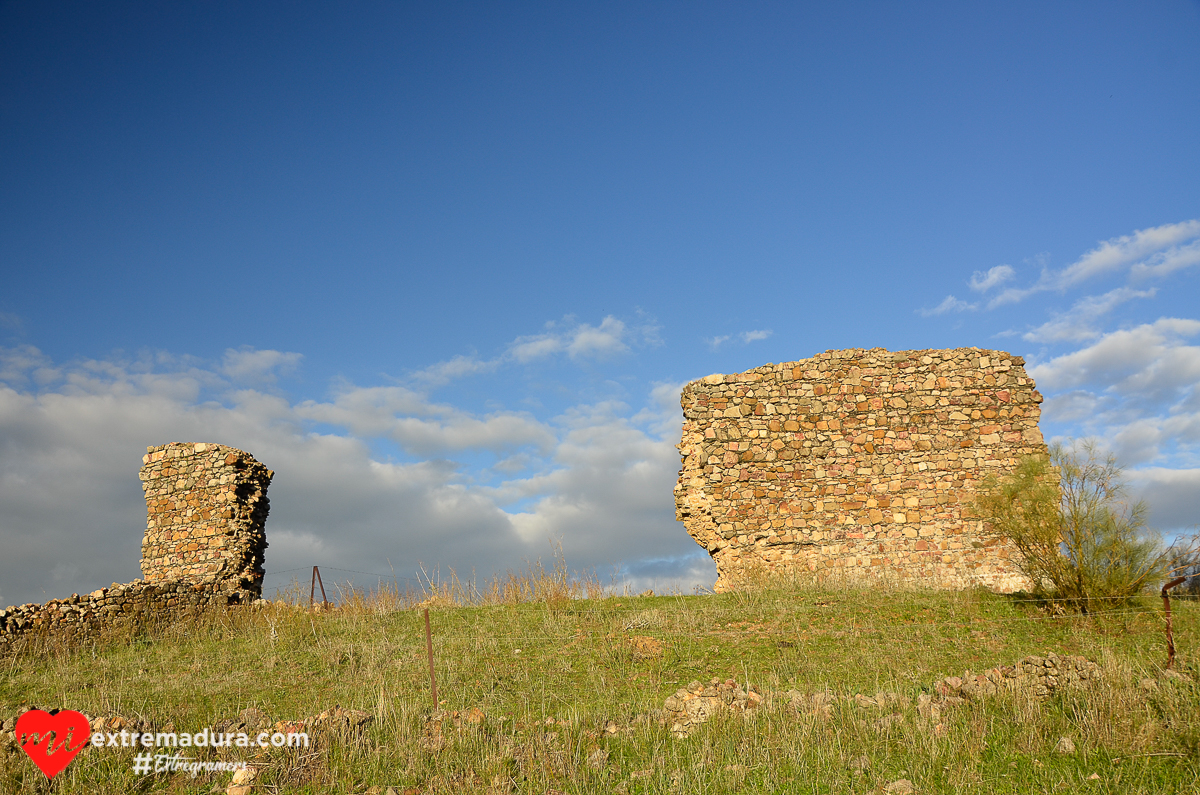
{"x": 316, "y": 578}
{"x": 1167, "y": 610}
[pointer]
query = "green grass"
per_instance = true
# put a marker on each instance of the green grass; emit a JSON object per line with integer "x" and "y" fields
{"x": 573, "y": 660}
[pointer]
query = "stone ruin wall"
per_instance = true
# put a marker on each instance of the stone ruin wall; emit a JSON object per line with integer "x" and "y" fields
{"x": 860, "y": 464}
{"x": 206, "y": 508}
{"x": 203, "y": 549}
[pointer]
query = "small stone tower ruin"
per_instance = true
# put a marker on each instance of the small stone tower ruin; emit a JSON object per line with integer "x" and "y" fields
{"x": 861, "y": 464}
{"x": 206, "y": 510}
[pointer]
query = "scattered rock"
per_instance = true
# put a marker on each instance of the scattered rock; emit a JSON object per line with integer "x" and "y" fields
{"x": 242, "y": 782}
{"x": 888, "y": 720}
{"x": 817, "y": 704}
{"x": 1039, "y": 676}
{"x": 598, "y": 759}
{"x": 927, "y": 708}
{"x": 696, "y": 703}
{"x": 339, "y": 719}
{"x": 1065, "y": 746}
{"x": 900, "y": 786}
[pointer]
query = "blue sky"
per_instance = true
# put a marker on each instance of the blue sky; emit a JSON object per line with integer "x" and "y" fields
{"x": 444, "y": 267}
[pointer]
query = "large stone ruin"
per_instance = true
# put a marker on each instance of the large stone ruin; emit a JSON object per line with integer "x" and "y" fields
{"x": 856, "y": 463}
{"x": 203, "y": 548}
{"x": 206, "y": 507}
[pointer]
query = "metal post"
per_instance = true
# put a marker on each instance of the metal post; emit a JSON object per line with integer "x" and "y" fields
{"x": 1167, "y": 610}
{"x": 429, "y": 649}
{"x": 324, "y": 601}
{"x": 312, "y": 588}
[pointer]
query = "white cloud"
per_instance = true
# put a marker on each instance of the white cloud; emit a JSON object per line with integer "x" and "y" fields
{"x": 1078, "y": 323}
{"x": 1147, "y": 360}
{"x": 1173, "y": 496}
{"x": 1011, "y": 296}
{"x": 606, "y": 339}
{"x": 1138, "y": 389}
{"x": 599, "y": 476}
{"x": 577, "y": 340}
{"x": 717, "y": 342}
{"x": 982, "y": 281}
{"x": 22, "y": 364}
{"x": 526, "y": 349}
{"x": 746, "y": 337}
{"x": 612, "y": 482}
{"x": 948, "y": 304}
{"x": 1072, "y": 406}
{"x": 1147, "y": 253}
{"x": 424, "y": 428}
{"x": 249, "y": 365}
{"x": 459, "y": 367}
{"x": 1125, "y": 251}
{"x": 1167, "y": 262}
{"x": 754, "y": 336}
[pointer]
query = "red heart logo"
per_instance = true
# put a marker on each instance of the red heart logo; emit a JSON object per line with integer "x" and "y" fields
{"x": 37, "y": 732}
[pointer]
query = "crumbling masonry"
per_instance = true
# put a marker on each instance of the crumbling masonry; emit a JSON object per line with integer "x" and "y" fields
{"x": 857, "y": 463}
{"x": 206, "y": 509}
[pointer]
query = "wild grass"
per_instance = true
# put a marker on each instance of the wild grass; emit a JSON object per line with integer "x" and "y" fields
{"x": 570, "y": 697}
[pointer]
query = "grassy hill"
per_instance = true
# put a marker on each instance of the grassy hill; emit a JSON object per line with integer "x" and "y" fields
{"x": 553, "y": 694}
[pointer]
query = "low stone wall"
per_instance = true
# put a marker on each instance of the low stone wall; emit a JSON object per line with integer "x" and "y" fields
{"x": 119, "y": 608}
{"x": 859, "y": 464}
{"x": 203, "y": 549}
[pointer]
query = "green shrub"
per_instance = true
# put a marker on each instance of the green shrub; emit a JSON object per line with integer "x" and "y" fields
{"x": 1081, "y": 540}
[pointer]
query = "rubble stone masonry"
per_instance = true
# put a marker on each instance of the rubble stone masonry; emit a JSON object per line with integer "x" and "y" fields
{"x": 203, "y": 549}
{"x": 206, "y": 508}
{"x": 856, "y": 463}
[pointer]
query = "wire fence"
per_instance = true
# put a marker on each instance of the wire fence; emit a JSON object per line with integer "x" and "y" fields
{"x": 801, "y": 610}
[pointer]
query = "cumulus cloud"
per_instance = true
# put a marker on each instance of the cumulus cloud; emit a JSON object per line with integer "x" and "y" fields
{"x": 1137, "y": 388}
{"x": 422, "y": 427}
{"x": 258, "y": 366}
{"x": 716, "y": 342}
{"x": 746, "y": 337}
{"x": 754, "y": 336}
{"x": 948, "y": 304}
{"x": 598, "y": 476}
{"x": 1167, "y": 262}
{"x": 1149, "y": 359}
{"x": 1171, "y": 494}
{"x": 578, "y": 341}
{"x": 1140, "y": 248}
{"x": 1147, "y": 253}
{"x": 1078, "y": 323}
{"x": 982, "y": 281}
{"x": 443, "y": 373}
{"x": 24, "y": 364}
